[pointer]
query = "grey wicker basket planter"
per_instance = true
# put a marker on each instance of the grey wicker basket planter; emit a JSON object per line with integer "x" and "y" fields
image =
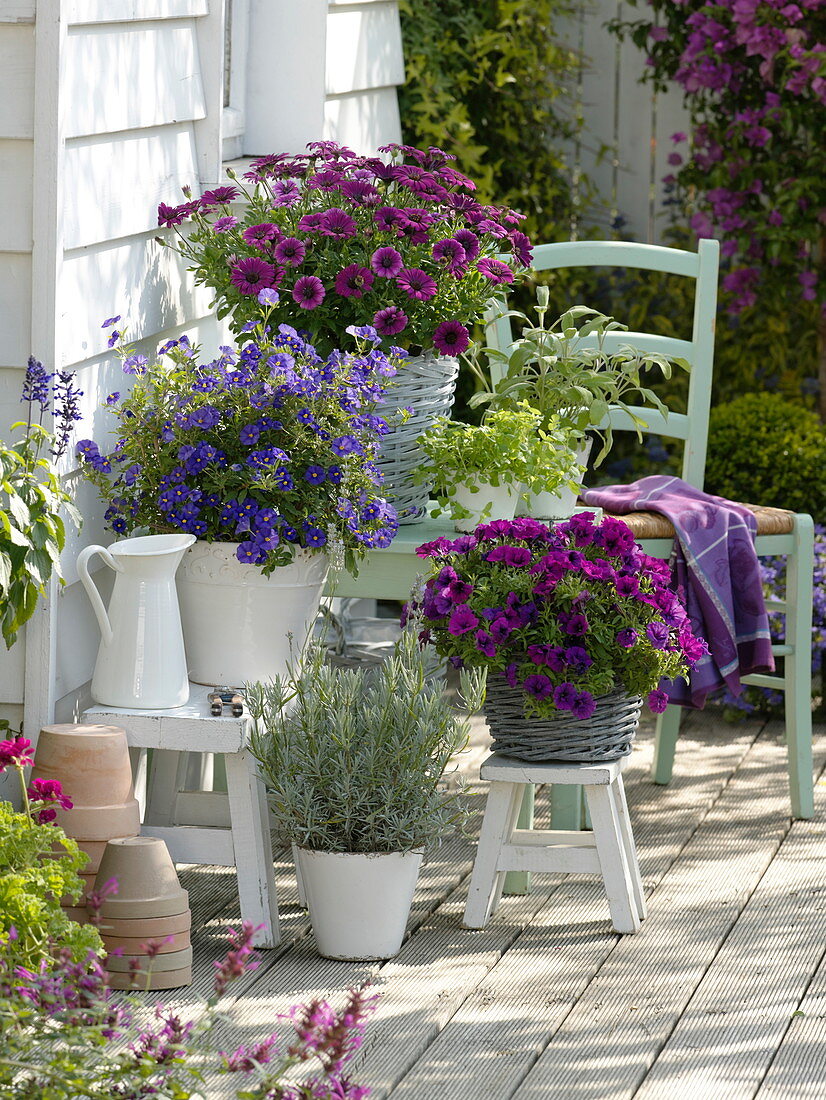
{"x": 606, "y": 735}
{"x": 426, "y": 384}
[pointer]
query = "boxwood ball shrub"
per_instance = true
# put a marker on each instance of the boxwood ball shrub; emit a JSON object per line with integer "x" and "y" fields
{"x": 766, "y": 450}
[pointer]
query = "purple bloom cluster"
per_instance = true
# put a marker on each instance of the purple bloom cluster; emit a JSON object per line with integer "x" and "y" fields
{"x": 269, "y": 445}
{"x": 567, "y": 612}
{"x": 41, "y": 389}
{"x": 403, "y": 246}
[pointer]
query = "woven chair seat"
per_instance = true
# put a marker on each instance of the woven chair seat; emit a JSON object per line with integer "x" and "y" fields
{"x": 651, "y": 525}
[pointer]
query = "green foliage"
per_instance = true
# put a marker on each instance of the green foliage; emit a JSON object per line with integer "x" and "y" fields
{"x": 355, "y": 762}
{"x": 510, "y": 447}
{"x": 32, "y": 532}
{"x": 38, "y": 866}
{"x": 492, "y": 83}
{"x": 767, "y": 450}
{"x": 564, "y": 371}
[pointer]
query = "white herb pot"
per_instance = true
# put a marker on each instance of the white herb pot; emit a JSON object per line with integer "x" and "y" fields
{"x": 502, "y": 499}
{"x": 561, "y": 503}
{"x": 359, "y": 903}
{"x": 240, "y": 625}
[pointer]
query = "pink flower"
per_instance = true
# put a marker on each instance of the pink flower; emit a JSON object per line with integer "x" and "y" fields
{"x": 494, "y": 270}
{"x": 222, "y": 225}
{"x": 48, "y": 790}
{"x": 308, "y": 291}
{"x": 259, "y": 235}
{"x": 290, "y": 251}
{"x": 451, "y": 338}
{"x": 386, "y": 262}
{"x": 354, "y": 281}
{"x": 416, "y": 284}
{"x": 252, "y": 274}
{"x": 462, "y": 620}
{"x": 337, "y": 224}
{"x": 17, "y": 753}
{"x": 390, "y": 321}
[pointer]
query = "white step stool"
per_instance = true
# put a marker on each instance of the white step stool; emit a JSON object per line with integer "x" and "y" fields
{"x": 607, "y": 851}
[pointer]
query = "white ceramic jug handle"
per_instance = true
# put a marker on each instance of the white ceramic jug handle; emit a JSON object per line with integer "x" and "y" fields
{"x": 92, "y": 589}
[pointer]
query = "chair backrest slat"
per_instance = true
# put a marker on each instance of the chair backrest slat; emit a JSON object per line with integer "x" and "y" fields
{"x": 702, "y": 266}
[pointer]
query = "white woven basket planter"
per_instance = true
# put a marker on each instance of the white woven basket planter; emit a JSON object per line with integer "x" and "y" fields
{"x": 607, "y": 735}
{"x": 427, "y": 384}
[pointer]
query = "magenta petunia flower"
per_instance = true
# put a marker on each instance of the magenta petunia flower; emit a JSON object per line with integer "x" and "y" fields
{"x": 626, "y": 637}
{"x": 516, "y": 556}
{"x": 657, "y": 634}
{"x": 354, "y": 281}
{"x": 260, "y": 235}
{"x": 657, "y": 701}
{"x": 252, "y": 274}
{"x": 336, "y": 223}
{"x": 565, "y": 696}
{"x": 416, "y": 283}
{"x": 386, "y": 262}
{"x": 309, "y": 291}
{"x": 390, "y": 321}
{"x": 584, "y": 705}
{"x": 494, "y": 270}
{"x": 290, "y": 251}
{"x": 537, "y": 685}
{"x": 484, "y": 643}
{"x": 462, "y": 620}
{"x": 451, "y": 338}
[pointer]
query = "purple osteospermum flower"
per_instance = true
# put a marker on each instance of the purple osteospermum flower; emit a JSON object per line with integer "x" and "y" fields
{"x": 521, "y": 248}
{"x": 450, "y": 254}
{"x": 469, "y": 242}
{"x": 309, "y": 291}
{"x": 462, "y": 620}
{"x": 386, "y": 262}
{"x": 354, "y": 281}
{"x": 584, "y": 705}
{"x": 285, "y": 192}
{"x": 252, "y": 275}
{"x": 657, "y": 634}
{"x": 565, "y": 696}
{"x": 416, "y": 283}
{"x": 537, "y": 685}
{"x": 221, "y": 225}
{"x": 390, "y": 321}
{"x": 389, "y": 217}
{"x": 495, "y": 271}
{"x": 336, "y": 223}
{"x": 451, "y": 338}
{"x": 260, "y": 235}
{"x": 657, "y": 701}
{"x": 171, "y": 215}
{"x": 290, "y": 251}
{"x": 218, "y": 196}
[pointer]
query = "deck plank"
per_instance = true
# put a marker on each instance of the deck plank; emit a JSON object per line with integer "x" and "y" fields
{"x": 799, "y": 1068}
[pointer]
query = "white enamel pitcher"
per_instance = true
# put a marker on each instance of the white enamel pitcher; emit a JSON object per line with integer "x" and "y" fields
{"x": 141, "y": 661}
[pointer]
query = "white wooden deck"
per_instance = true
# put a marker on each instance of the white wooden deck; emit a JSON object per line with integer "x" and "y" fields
{"x": 722, "y": 994}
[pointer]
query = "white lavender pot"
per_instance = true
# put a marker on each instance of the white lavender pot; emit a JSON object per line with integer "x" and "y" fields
{"x": 240, "y": 625}
{"x": 561, "y": 503}
{"x": 495, "y": 501}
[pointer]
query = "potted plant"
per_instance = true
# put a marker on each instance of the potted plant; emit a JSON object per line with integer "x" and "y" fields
{"x": 482, "y": 471}
{"x": 571, "y": 623}
{"x": 353, "y": 761}
{"x": 266, "y": 455}
{"x": 402, "y": 247}
{"x": 32, "y": 531}
{"x": 566, "y": 372}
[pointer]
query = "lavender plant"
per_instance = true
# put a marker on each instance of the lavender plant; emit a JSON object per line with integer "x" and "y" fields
{"x": 66, "y": 1036}
{"x": 32, "y": 500}
{"x": 355, "y": 762}
{"x": 269, "y": 445}
{"x": 402, "y": 246}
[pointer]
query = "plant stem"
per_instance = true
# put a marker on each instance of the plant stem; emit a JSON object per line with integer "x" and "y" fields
{"x": 27, "y": 806}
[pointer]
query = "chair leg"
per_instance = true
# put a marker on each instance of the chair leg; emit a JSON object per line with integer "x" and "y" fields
{"x": 798, "y": 668}
{"x": 567, "y": 807}
{"x": 518, "y": 883}
{"x": 486, "y": 882}
{"x": 630, "y": 847}
{"x": 665, "y": 742}
{"x": 616, "y": 873}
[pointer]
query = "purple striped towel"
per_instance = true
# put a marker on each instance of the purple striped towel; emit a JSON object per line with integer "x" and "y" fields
{"x": 716, "y": 566}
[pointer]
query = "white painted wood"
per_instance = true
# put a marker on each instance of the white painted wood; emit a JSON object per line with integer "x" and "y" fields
{"x": 16, "y": 191}
{"x": 501, "y": 812}
{"x": 150, "y": 73}
{"x": 285, "y": 100}
{"x": 163, "y": 784}
{"x": 363, "y": 120}
{"x": 17, "y": 80}
{"x": 127, "y": 11}
{"x": 194, "y": 845}
{"x": 109, "y": 193}
{"x": 210, "y": 36}
{"x": 187, "y": 728}
{"x": 630, "y": 848}
{"x": 508, "y": 770}
{"x": 202, "y": 808}
{"x": 562, "y": 859}
{"x": 17, "y": 11}
{"x": 635, "y": 130}
{"x": 613, "y": 860}
{"x": 78, "y": 636}
{"x": 364, "y": 48}
{"x": 233, "y": 117}
{"x": 16, "y": 308}
{"x": 253, "y": 848}
{"x": 12, "y": 670}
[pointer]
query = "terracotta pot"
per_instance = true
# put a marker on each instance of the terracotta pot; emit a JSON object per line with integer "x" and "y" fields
{"x": 91, "y": 762}
{"x": 148, "y": 885}
{"x": 100, "y": 824}
{"x": 159, "y": 979}
{"x": 132, "y": 946}
{"x": 78, "y": 913}
{"x": 145, "y": 928}
{"x": 173, "y": 960}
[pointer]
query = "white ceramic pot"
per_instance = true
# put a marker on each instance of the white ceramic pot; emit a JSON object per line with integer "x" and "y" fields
{"x": 561, "y": 503}
{"x": 359, "y": 903}
{"x": 499, "y": 500}
{"x": 240, "y": 625}
{"x": 141, "y": 659}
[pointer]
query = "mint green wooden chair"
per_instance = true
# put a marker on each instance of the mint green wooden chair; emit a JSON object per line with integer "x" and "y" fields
{"x": 778, "y": 532}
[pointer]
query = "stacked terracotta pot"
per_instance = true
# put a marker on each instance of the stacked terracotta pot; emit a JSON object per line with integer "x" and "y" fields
{"x": 92, "y": 765}
{"x": 149, "y": 907}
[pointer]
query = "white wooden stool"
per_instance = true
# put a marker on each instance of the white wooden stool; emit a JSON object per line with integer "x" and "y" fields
{"x": 607, "y": 851}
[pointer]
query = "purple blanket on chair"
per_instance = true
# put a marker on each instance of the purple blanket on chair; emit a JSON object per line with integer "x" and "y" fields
{"x": 717, "y": 567}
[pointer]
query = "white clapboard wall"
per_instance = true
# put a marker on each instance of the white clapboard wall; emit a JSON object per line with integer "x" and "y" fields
{"x": 627, "y": 133}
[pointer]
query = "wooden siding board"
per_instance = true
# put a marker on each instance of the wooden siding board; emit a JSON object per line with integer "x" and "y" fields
{"x": 128, "y": 11}
{"x": 16, "y": 309}
{"x": 17, "y": 11}
{"x": 364, "y": 48}
{"x": 147, "y": 75}
{"x": 16, "y": 194}
{"x": 101, "y": 171}
{"x": 363, "y": 120}
{"x": 17, "y": 80}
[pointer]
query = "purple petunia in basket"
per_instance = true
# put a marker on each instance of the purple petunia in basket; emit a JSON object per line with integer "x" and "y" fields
{"x": 569, "y": 614}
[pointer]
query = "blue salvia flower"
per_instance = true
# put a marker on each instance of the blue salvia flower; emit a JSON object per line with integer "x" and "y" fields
{"x": 36, "y": 384}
